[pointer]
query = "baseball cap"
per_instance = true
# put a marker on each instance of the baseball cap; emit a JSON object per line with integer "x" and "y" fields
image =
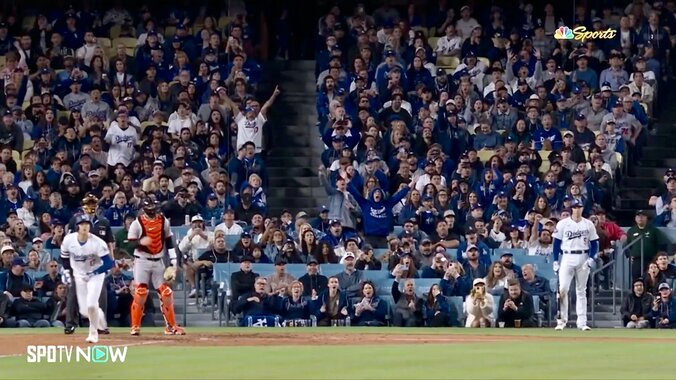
{"x": 197, "y": 218}
{"x": 641, "y": 212}
{"x": 449, "y": 213}
{"x": 312, "y": 261}
{"x": 545, "y": 221}
{"x": 580, "y": 116}
{"x": 663, "y": 285}
{"x": 93, "y": 173}
{"x": 605, "y": 88}
{"x": 245, "y": 235}
{"x": 246, "y": 258}
{"x": 280, "y": 261}
{"x": 7, "y": 248}
{"x": 17, "y": 260}
{"x": 301, "y": 214}
{"x": 348, "y": 254}
{"x": 576, "y": 203}
{"x": 212, "y": 197}
{"x": 506, "y": 253}
{"x": 479, "y": 280}
{"x": 37, "y": 239}
{"x": 470, "y": 230}
{"x": 476, "y": 206}
{"x": 334, "y": 221}
{"x": 568, "y": 133}
{"x": 550, "y": 185}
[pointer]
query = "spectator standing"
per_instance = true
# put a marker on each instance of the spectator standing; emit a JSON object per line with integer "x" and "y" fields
{"x": 652, "y": 242}
{"x": 408, "y": 307}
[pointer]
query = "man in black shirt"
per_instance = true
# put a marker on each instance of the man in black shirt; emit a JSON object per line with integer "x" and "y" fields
{"x": 242, "y": 281}
{"x": 313, "y": 282}
{"x": 516, "y": 305}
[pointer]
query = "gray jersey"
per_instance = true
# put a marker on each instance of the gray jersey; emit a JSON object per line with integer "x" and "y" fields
{"x": 99, "y": 111}
{"x": 75, "y": 101}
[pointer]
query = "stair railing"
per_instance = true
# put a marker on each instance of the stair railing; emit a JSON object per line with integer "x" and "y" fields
{"x": 620, "y": 258}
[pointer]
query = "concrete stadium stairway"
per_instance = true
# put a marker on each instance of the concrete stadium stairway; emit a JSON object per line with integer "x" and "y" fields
{"x": 295, "y": 146}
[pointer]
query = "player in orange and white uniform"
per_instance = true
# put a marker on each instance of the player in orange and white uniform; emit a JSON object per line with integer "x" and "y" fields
{"x": 150, "y": 234}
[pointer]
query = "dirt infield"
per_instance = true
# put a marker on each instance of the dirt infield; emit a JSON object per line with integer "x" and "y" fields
{"x": 11, "y": 345}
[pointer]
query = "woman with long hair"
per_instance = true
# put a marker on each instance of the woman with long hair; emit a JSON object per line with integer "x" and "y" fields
{"x": 44, "y": 226}
{"x": 275, "y": 243}
{"x": 496, "y": 280}
{"x": 408, "y": 307}
{"x": 370, "y": 310}
{"x": 542, "y": 206}
{"x": 98, "y": 73}
{"x": 436, "y": 308}
{"x": 333, "y": 304}
{"x": 653, "y": 279}
{"x": 27, "y": 177}
{"x": 479, "y": 305}
{"x": 326, "y": 254}
{"x": 308, "y": 245}
{"x": 293, "y": 306}
{"x": 521, "y": 197}
{"x": 515, "y": 239}
{"x": 181, "y": 62}
{"x": 406, "y": 267}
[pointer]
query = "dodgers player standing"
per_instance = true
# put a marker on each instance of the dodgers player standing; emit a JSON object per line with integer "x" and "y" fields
{"x": 576, "y": 240}
{"x": 86, "y": 256}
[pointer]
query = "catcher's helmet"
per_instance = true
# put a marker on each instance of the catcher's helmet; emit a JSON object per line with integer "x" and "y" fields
{"x": 89, "y": 203}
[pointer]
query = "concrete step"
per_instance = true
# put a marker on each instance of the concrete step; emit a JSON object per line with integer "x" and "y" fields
{"x": 284, "y": 181}
{"x": 285, "y": 192}
{"x": 641, "y": 182}
{"x": 293, "y": 162}
{"x": 291, "y": 172}
{"x": 298, "y": 128}
{"x": 657, "y": 153}
{"x": 662, "y": 163}
{"x": 303, "y": 203}
{"x": 301, "y": 65}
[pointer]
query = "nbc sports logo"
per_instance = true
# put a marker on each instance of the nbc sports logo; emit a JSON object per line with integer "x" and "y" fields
{"x": 581, "y": 34}
{"x": 563, "y": 33}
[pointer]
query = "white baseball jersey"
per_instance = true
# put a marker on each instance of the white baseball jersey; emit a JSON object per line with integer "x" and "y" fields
{"x": 250, "y": 130}
{"x": 122, "y": 144}
{"x": 84, "y": 258}
{"x": 575, "y": 236}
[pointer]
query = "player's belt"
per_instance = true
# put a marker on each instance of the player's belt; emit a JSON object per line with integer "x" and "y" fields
{"x": 149, "y": 258}
{"x": 575, "y": 252}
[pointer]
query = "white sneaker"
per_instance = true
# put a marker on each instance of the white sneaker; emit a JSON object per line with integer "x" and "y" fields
{"x": 584, "y": 328}
{"x": 192, "y": 293}
{"x": 92, "y": 338}
{"x": 560, "y": 325}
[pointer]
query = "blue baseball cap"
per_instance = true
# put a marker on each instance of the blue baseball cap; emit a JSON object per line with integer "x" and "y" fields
{"x": 245, "y": 235}
{"x": 477, "y": 206}
{"x": 323, "y": 208}
{"x": 576, "y": 203}
{"x": 390, "y": 53}
{"x": 580, "y": 116}
{"x": 550, "y": 185}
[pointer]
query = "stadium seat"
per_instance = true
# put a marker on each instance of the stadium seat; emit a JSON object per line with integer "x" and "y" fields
{"x": 397, "y": 230}
{"x": 231, "y": 241}
{"x": 537, "y": 261}
{"x": 263, "y": 269}
{"x": 37, "y": 275}
{"x": 432, "y": 41}
{"x": 516, "y": 252}
{"x": 456, "y": 302}
{"x": 485, "y": 154}
{"x": 376, "y": 275}
{"x": 28, "y": 22}
{"x": 384, "y": 286}
{"x": 128, "y": 42}
{"x": 448, "y": 62}
{"x": 423, "y": 285}
{"x": 180, "y": 231}
{"x": 485, "y": 61}
{"x": 223, "y": 21}
{"x": 296, "y": 270}
{"x": 104, "y": 42}
{"x": 331, "y": 269}
{"x": 452, "y": 252}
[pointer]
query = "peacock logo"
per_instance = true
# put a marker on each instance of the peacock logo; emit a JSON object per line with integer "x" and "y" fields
{"x": 563, "y": 33}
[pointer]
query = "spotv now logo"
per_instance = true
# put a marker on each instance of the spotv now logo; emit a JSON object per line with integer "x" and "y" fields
{"x": 74, "y": 354}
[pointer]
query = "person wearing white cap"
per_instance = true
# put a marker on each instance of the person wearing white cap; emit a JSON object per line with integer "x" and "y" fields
{"x": 479, "y": 305}
{"x": 197, "y": 238}
{"x": 466, "y": 24}
{"x": 43, "y": 255}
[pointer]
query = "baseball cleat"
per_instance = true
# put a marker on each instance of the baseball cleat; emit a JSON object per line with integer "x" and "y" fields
{"x": 135, "y": 331}
{"x": 69, "y": 330}
{"x": 584, "y": 328}
{"x": 104, "y": 332}
{"x": 92, "y": 338}
{"x": 175, "y": 330}
{"x": 560, "y": 326}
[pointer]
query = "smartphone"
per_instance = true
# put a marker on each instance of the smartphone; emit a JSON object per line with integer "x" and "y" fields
{"x": 404, "y": 268}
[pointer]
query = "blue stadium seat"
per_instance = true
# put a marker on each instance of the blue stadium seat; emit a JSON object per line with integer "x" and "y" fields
{"x": 329, "y": 270}
{"x": 37, "y": 275}
{"x": 452, "y": 252}
{"x": 423, "y": 285}
{"x": 231, "y": 241}
{"x": 180, "y": 231}
{"x": 456, "y": 302}
{"x": 384, "y": 286}
{"x": 55, "y": 253}
{"x": 517, "y": 252}
{"x": 264, "y": 269}
{"x": 376, "y": 275}
{"x": 397, "y": 230}
{"x": 296, "y": 270}
{"x": 379, "y": 252}
{"x": 539, "y": 262}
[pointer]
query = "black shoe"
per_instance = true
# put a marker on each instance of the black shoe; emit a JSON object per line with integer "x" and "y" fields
{"x": 104, "y": 332}
{"x": 69, "y": 330}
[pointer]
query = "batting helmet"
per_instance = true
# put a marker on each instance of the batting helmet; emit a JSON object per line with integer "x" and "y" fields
{"x": 82, "y": 218}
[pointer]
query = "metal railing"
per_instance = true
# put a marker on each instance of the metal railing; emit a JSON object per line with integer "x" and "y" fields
{"x": 623, "y": 284}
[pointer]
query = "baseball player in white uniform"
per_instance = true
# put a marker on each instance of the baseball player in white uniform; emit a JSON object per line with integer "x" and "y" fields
{"x": 576, "y": 242}
{"x": 87, "y": 258}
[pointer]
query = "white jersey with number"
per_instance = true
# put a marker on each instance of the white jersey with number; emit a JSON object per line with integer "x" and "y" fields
{"x": 575, "y": 236}
{"x": 84, "y": 258}
{"x": 122, "y": 143}
{"x": 250, "y": 130}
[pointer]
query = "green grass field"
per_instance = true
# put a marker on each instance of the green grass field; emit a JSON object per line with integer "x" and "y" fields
{"x": 647, "y": 354}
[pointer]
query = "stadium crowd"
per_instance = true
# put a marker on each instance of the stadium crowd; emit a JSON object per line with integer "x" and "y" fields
{"x": 473, "y": 133}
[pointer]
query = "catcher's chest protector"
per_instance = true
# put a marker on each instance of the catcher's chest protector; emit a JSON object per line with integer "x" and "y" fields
{"x": 154, "y": 229}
